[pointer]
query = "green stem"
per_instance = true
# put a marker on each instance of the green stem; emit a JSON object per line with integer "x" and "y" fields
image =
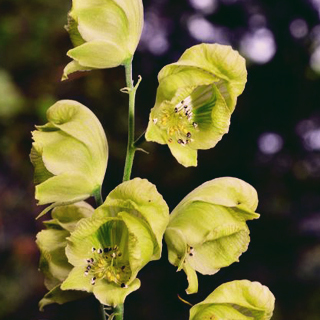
{"x": 103, "y": 312}
{"x": 98, "y": 197}
{"x": 131, "y": 90}
{"x": 118, "y": 312}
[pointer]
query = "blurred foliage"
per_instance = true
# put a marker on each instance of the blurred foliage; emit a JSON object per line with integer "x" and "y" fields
{"x": 281, "y": 100}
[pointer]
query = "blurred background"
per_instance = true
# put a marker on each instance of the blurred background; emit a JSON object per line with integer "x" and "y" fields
{"x": 273, "y": 144}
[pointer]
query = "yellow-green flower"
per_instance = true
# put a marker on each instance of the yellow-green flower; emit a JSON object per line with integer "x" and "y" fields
{"x": 236, "y": 300}
{"x": 195, "y": 99}
{"x": 207, "y": 230}
{"x": 52, "y": 243}
{"x": 105, "y": 33}
{"x": 108, "y": 249}
{"x": 69, "y": 154}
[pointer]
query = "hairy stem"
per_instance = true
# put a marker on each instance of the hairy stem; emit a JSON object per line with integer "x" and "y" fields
{"x": 131, "y": 90}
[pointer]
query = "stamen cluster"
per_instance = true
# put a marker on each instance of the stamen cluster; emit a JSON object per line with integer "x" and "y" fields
{"x": 108, "y": 264}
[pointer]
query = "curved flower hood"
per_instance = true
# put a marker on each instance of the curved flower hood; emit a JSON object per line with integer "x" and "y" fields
{"x": 105, "y": 33}
{"x": 241, "y": 300}
{"x": 69, "y": 154}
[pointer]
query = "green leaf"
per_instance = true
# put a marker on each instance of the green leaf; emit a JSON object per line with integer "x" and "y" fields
{"x": 207, "y": 229}
{"x": 240, "y": 299}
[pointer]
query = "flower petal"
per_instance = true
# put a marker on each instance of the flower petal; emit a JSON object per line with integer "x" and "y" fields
{"x": 99, "y": 54}
{"x": 72, "y": 67}
{"x": 221, "y": 61}
{"x": 53, "y": 262}
{"x": 69, "y": 216}
{"x": 65, "y": 188}
{"x": 56, "y": 295}
{"x": 113, "y": 295}
{"x": 251, "y": 299}
{"x": 140, "y": 198}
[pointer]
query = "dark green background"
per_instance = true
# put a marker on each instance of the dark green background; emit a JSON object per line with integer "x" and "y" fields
{"x": 282, "y": 97}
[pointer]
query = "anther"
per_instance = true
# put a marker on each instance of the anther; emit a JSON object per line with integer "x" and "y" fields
{"x": 189, "y": 135}
{"x": 115, "y": 247}
{"x": 123, "y": 285}
{"x": 180, "y": 141}
{"x": 195, "y": 125}
{"x": 99, "y": 251}
{"x": 88, "y": 267}
{"x": 88, "y": 260}
{"x": 175, "y": 109}
{"x": 86, "y": 273}
{"x": 106, "y": 250}
{"x": 190, "y": 254}
{"x": 155, "y": 120}
{"x": 123, "y": 267}
{"x": 113, "y": 254}
{"x": 93, "y": 249}
{"x": 170, "y": 140}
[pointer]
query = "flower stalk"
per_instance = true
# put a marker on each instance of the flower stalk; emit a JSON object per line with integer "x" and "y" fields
{"x": 131, "y": 91}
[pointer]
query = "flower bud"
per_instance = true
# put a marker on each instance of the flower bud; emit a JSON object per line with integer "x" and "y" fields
{"x": 70, "y": 155}
{"x": 52, "y": 243}
{"x": 195, "y": 99}
{"x": 108, "y": 249}
{"x": 207, "y": 230}
{"x": 105, "y": 33}
{"x": 241, "y": 300}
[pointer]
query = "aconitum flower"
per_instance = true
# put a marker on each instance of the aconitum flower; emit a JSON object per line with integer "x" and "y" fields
{"x": 108, "y": 249}
{"x": 195, "y": 99}
{"x": 241, "y": 300}
{"x": 207, "y": 230}
{"x": 105, "y": 33}
{"x": 69, "y": 154}
{"x": 52, "y": 243}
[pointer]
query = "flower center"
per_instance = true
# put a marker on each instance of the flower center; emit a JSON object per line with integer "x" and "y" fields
{"x": 108, "y": 264}
{"x": 180, "y": 121}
